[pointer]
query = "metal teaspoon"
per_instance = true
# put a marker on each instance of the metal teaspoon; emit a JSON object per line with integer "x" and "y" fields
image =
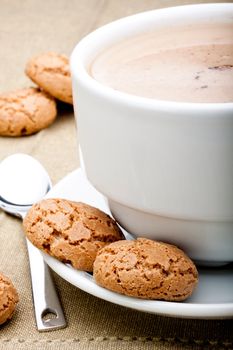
{"x": 23, "y": 182}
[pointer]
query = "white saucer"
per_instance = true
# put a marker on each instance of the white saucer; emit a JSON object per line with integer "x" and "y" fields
{"x": 213, "y": 299}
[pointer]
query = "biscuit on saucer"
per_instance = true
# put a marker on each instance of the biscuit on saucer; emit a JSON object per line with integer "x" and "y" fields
{"x": 146, "y": 269}
{"x": 70, "y": 231}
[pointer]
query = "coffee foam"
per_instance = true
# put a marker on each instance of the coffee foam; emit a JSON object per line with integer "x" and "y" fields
{"x": 187, "y": 63}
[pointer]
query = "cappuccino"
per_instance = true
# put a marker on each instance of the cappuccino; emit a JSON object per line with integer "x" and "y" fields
{"x": 186, "y": 63}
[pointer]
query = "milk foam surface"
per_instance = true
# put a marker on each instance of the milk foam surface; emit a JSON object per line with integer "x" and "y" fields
{"x": 188, "y": 63}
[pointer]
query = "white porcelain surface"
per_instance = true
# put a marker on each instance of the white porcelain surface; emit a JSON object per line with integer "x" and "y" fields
{"x": 212, "y": 299}
{"x": 169, "y": 165}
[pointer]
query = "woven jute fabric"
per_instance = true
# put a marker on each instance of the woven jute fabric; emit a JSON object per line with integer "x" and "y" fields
{"x": 29, "y": 27}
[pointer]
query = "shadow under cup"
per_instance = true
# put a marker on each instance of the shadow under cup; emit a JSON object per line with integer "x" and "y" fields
{"x": 165, "y": 167}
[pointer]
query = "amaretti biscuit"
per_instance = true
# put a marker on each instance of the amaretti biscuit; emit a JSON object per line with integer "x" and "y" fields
{"x": 70, "y": 231}
{"x": 146, "y": 269}
{"x": 8, "y": 299}
{"x": 51, "y": 72}
{"x": 25, "y": 112}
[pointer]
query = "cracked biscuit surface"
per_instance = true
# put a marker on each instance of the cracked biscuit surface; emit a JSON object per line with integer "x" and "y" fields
{"x": 146, "y": 269}
{"x": 26, "y": 112}
{"x": 72, "y": 232}
{"x": 51, "y": 72}
{"x": 8, "y": 299}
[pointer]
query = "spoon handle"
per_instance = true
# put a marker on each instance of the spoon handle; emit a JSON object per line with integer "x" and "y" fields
{"x": 48, "y": 311}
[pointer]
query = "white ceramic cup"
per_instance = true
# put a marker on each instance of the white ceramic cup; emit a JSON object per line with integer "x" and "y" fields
{"x": 165, "y": 167}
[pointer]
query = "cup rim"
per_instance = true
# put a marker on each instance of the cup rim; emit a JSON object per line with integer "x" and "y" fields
{"x": 79, "y": 72}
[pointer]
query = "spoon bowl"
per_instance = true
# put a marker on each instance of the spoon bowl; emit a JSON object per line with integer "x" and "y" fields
{"x": 23, "y": 181}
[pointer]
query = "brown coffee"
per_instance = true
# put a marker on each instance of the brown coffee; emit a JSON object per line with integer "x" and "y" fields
{"x": 187, "y": 63}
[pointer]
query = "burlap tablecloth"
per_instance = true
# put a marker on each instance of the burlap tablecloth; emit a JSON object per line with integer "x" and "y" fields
{"x": 28, "y": 27}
